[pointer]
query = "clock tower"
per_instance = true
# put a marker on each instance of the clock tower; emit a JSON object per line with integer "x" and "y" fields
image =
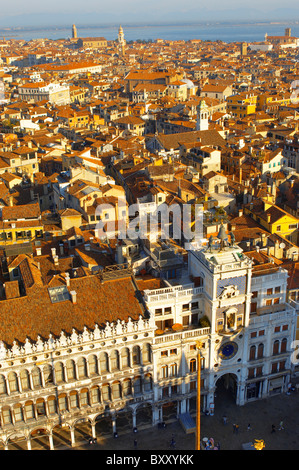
{"x": 225, "y": 274}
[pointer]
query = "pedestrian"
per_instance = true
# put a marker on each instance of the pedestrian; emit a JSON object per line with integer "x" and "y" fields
{"x": 172, "y": 443}
{"x": 237, "y": 428}
{"x": 280, "y": 426}
{"x": 249, "y": 427}
{"x": 224, "y": 419}
{"x": 135, "y": 443}
{"x": 234, "y": 428}
{"x": 273, "y": 428}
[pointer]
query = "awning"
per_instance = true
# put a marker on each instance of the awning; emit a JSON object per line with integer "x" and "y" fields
{"x": 276, "y": 383}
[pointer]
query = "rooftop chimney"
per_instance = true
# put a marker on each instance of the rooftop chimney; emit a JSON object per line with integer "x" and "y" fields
{"x": 67, "y": 279}
{"x": 74, "y": 296}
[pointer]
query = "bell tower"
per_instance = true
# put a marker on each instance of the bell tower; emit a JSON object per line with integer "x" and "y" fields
{"x": 121, "y": 41}
{"x": 202, "y": 123}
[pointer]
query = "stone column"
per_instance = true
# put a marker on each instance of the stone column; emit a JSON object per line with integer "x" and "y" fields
{"x": 51, "y": 443}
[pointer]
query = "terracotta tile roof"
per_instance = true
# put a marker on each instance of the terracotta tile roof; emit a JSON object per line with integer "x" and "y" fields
{"x": 97, "y": 303}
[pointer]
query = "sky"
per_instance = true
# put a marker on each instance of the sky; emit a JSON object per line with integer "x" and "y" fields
{"x": 17, "y": 13}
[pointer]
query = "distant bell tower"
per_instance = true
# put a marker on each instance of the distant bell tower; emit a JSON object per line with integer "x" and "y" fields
{"x": 202, "y": 123}
{"x": 74, "y": 32}
{"x": 121, "y": 41}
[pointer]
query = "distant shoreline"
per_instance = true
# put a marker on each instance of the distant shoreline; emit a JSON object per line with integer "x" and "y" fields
{"x": 240, "y": 23}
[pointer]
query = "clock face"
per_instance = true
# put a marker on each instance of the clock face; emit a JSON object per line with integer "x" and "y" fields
{"x": 228, "y": 350}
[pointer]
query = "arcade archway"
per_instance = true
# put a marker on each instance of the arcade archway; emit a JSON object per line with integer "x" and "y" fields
{"x": 226, "y": 389}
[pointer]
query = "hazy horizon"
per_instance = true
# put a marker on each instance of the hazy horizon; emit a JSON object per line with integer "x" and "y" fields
{"x": 33, "y": 13}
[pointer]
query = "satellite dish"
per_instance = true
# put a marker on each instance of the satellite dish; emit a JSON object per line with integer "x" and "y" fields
{"x": 282, "y": 245}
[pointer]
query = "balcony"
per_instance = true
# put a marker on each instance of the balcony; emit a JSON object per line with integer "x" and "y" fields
{"x": 172, "y": 293}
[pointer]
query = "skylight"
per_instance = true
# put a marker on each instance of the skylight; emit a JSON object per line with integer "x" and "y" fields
{"x": 59, "y": 294}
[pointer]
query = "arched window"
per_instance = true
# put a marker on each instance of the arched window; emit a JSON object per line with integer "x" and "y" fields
{"x": 52, "y": 407}
{"x": 93, "y": 365}
{"x": 283, "y": 346}
{"x": 62, "y": 402}
{"x": 18, "y": 413}
{"x": 148, "y": 383}
{"x": 127, "y": 387}
{"x": 29, "y": 410}
{"x": 173, "y": 370}
{"x": 164, "y": 372}
{"x": 125, "y": 358}
{"x": 25, "y": 381}
{"x": 59, "y": 373}
{"x": 48, "y": 375}
{"x": 36, "y": 378}
{"x": 6, "y": 413}
{"x": 252, "y": 353}
{"x": 3, "y": 390}
{"x": 137, "y": 385}
{"x": 192, "y": 365}
{"x": 70, "y": 370}
{"x": 260, "y": 351}
{"x": 116, "y": 390}
{"x": 114, "y": 360}
{"x": 82, "y": 369}
{"x": 74, "y": 402}
{"x": 146, "y": 353}
{"x": 13, "y": 382}
{"x": 276, "y": 347}
{"x": 84, "y": 397}
{"x": 106, "y": 393}
{"x": 40, "y": 407}
{"x": 95, "y": 396}
{"x": 136, "y": 355}
{"x": 104, "y": 362}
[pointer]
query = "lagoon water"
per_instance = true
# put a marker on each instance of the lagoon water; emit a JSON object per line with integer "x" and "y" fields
{"x": 251, "y": 32}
